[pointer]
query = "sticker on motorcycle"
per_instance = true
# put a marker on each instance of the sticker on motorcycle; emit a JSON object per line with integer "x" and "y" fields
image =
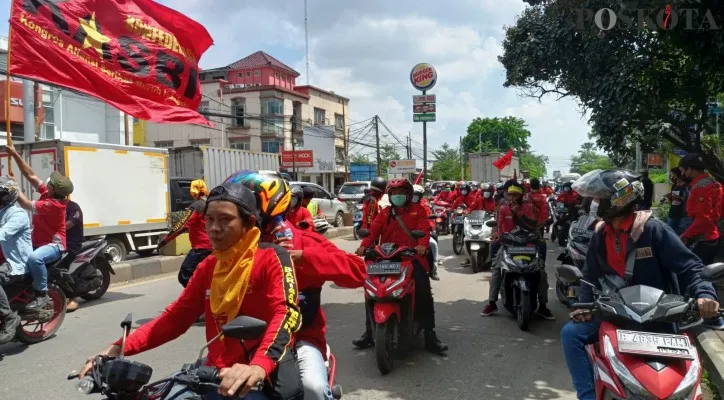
{"x": 622, "y": 183}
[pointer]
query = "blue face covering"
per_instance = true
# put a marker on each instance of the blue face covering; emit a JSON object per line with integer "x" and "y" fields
{"x": 398, "y": 199}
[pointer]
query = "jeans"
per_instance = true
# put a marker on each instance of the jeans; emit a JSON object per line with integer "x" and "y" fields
{"x": 706, "y": 250}
{"x": 189, "y": 264}
{"x": 574, "y": 338}
{"x": 181, "y": 392}
{"x": 313, "y": 371}
{"x": 4, "y": 305}
{"x": 679, "y": 225}
{"x": 433, "y": 251}
{"x": 37, "y": 262}
{"x": 497, "y": 275}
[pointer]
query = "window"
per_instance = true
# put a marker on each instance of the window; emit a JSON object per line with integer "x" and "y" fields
{"x": 164, "y": 143}
{"x": 320, "y": 193}
{"x": 257, "y": 73}
{"x": 272, "y": 106}
{"x": 284, "y": 78}
{"x": 239, "y": 144}
{"x": 272, "y": 126}
{"x": 48, "y": 129}
{"x": 204, "y": 106}
{"x": 248, "y": 73}
{"x": 240, "y": 74}
{"x": 200, "y": 142}
{"x": 276, "y": 75}
{"x": 238, "y": 107}
{"x": 339, "y": 122}
{"x": 289, "y": 79}
{"x": 271, "y": 146}
{"x": 319, "y": 116}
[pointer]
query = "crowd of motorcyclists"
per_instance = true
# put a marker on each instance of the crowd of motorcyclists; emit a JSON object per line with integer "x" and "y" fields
{"x": 255, "y": 253}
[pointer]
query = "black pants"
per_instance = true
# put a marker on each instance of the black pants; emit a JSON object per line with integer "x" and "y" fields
{"x": 424, "y": 303}
{"x": 706, "y": 250}
{"x": 188, "y": 266}
{"x": 67, "y": 260}
{"x": 5, "y": 309}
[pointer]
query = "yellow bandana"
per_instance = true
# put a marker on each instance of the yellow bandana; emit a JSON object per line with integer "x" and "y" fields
{"x": 231, "y": 276}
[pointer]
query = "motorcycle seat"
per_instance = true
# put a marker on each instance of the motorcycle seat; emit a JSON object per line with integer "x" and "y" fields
{"x": 91, "y": 243}
{"x": 14, "y": 279}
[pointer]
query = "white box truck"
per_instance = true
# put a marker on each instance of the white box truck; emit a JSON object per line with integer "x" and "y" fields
{"x": 483, "y": 171}
{"x": 122, "y": 190}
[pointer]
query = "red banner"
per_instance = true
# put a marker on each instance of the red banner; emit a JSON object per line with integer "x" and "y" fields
{"x": 136, "y": 55}
{"x": 299, "y": 158}
{"x": 504, "y": 161}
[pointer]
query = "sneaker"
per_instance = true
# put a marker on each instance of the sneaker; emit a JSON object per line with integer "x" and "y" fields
{"x": 489, "y": 309}
{"x": 72, "y": 305}
{"x": 38, "y": 303}
{"x": 433, "y": 274}
{"x": 10, "y": 325}
{"x": 433, "y": 344}
{"x": 364, "y": 342}
{"x": 545, "y": 313}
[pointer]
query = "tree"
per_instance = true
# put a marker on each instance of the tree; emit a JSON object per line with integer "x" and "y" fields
{"x": 447, "y": 164}
{"x": 534, "y": 164}
{"x": 638, "y": 84}
{"x": 496, "y": 134}
{"x": 588, "y": 159}
{"x": 360, "y": 159}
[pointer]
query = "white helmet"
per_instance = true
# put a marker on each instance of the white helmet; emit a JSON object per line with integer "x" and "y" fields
{"x": 417, "y": 189}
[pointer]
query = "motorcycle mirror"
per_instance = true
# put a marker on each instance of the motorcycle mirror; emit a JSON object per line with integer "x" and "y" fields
{"x": 363, "y": 233}
{"x": 570, "y": 273}
{"x": 418, "y": 234}
{"x": 244, "y": 328}
{"x": 491, "y": 224}
{"x": 126, "y": 323}
{"x": 713, "y": 272}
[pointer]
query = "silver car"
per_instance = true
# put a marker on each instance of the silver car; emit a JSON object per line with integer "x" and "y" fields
{"x": 332, "y": 208}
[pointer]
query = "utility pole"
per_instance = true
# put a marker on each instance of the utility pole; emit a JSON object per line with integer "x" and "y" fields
{"x": 294, "y": 148}
{"x": 377, "y": 138}
{"x": 346, "y": 157}
{"x": 462, "y": 160}
{"x": 306, "y": 41}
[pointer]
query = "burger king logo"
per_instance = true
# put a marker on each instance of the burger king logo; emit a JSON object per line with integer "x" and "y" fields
{"x": 423, "y": 76}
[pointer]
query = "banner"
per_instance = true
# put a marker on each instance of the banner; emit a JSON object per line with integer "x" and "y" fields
{"x": 137, "y": 55}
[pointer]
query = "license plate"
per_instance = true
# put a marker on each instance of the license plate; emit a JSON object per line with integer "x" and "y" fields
{"x": 521, "y": 250}
{"x": 587, "y": 233}
{"x": 655, "y": 344}
{"x": 384, "y": 268}
{"x": 459, "y": 220}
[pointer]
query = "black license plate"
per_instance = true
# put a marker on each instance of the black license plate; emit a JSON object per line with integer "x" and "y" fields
{"x": 393, "y": 268}
{"x": 587, "y": 233}
{"x": 521, "y": 250}
{"x": 459, "y": 219}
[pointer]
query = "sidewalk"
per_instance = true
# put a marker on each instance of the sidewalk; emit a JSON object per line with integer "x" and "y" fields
{"x": 711, "y": 346}
{"x": 157, "y": 265}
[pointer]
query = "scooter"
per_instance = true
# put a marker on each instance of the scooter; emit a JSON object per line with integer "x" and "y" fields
{"x": 390, "y": 298}
{"x": 574, "y": 254}
{"x": 477, "y": 239}
{"x": 88, "y": 275}
{"x": 357, "y": 221}
{"x": 321, "y": 226}
{"x": 457, "y": 229}
{"x": 441, "y": 220}
{"x": 636, "y": 355}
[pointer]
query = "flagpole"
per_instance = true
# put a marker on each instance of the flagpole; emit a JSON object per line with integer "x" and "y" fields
{"x": 7, "y": 87}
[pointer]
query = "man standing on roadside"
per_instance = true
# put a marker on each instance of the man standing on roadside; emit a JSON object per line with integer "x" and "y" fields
{"x": 74, "y": 240}
{"x": 648, "y": 191}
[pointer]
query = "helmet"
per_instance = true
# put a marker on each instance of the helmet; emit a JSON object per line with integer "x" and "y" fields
{"x": 273, "y": 195}
{"x": 308, "y": 192}
{"x": 618, "y": 191}
{"x": 535, "y": 183}
{"x": 417, "y": 189}
{"x": 465, "y": 188}
{"x": 297, "y": 195}
{"x": 379, "y": 184}
{"x": 401, "y": 183}
{"x": 8, "y": 191}
{"x": 579, "y": 236}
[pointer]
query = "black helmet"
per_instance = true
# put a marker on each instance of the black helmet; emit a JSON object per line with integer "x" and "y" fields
{"x": 297, "y": 195}
{"x": 465, "y": 189}
{"x": 535, "y": 184}
{"x": 308, "y": 192}
{"x": 618, "y": 191}
{"x": 379, "y": 184}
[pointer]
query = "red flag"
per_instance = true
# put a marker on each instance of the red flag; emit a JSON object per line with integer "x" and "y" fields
{"x": 419, "y": 177}
{"x": 137, "y": 55}
{"x": 504, "y": 161}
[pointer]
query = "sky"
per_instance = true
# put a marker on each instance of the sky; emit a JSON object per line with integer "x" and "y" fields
{"x": 364, "y": 50}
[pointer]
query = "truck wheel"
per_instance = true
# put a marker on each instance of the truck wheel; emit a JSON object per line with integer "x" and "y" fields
{"x": 116, "y": 250}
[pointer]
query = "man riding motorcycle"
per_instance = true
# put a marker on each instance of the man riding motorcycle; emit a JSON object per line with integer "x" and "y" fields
{"x": 310, "y": 204}
{"x": 16, "y": 248}
{"x": 466, "y": 197}
{"x": 629, "y": 248}
{"x": 540, "y": 205}
{"x": 418, "y": 197}
{"x": 316, "y": 261}
{"x": 371, "y": 205}
{"x": 444, "y": 194}
{"x": 221, "y": 287}
{"x": 515, "y": 213}
{"x": 485, "y": 201}
{"x": 568, "y": 196}
{"x": 391, "y": 226}
{"x": 297, "y": 213}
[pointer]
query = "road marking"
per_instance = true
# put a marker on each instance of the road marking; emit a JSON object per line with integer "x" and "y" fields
{"x": 137, "y": 282}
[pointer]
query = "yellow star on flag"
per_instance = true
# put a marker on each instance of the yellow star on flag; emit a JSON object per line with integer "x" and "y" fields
{"x": 94, "y": 38}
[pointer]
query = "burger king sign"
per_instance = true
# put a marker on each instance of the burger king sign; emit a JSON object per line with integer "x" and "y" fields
{"x": 423, "y": 76}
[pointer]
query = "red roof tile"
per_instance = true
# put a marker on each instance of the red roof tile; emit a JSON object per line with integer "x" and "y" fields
{"x": 260, "y": 59}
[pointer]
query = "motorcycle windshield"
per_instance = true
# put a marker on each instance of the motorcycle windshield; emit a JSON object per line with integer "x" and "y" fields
{"x": 644, "y": 305}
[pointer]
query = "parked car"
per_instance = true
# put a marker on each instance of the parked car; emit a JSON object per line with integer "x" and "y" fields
{"x": 332, "y": 208}
{"x": 353, "y": 191}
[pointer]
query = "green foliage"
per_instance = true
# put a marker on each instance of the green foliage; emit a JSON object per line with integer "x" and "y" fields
{"x": 587, "y": 159}
{"x": 446, "y": 165}
{"x": 629, "y": 80}
{"x": 387, "y": 153}
{"x": 659, "y": 175}
{"x": 496, "y": 134}
{"x": 361, "y": 159}
{"x": 534, "y": 164}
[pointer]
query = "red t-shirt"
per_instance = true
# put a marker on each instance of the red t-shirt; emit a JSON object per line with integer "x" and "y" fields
{"x": 197, "y": 231}
{"x": 48, "y": 220}
{"x": 617, "y": 259}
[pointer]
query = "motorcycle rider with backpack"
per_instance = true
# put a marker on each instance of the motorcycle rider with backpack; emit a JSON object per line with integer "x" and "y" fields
{"x": 628, "y": 248}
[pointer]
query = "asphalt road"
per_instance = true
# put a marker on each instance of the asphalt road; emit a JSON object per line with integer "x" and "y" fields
{"x": 489, "y": 358}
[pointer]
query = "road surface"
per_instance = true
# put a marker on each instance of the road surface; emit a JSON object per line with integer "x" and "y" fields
{"x": 489, "y": 358}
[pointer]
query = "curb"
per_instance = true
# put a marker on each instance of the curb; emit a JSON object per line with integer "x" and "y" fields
{"x": 158, "y": 265}
{"x": 712, "y": 355}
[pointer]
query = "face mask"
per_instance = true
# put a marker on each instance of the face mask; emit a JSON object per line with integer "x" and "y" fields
{"x": 567, "y": 189}
{"x": 464, "y": 192}
{"x": 487, "y": 195}
{"x": 295, "y": 202}
{"x": 416, "y": 198}
{"x": 447, "y": 189}
{"x": 398, "y": 199}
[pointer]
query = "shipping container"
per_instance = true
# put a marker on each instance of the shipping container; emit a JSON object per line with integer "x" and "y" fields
{"x": 122, "y": 190}
{"x": 362, "y": 172}
{"x": 214, "y": 165}
{"x": 482, "y": 169}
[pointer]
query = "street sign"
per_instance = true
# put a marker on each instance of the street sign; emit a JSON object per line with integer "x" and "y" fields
{"x": 423, "y": 76}
{"x": 423, "y": 98}
{"x": 680, "y": 152}
{"x": 428, "y": 117}
{"x": 402, "y": 167}
{"x": 423, "y": 108}
{"x": 714, "y": 108}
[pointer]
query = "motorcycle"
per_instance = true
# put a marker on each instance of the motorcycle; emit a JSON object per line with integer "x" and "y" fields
{"x": 574, "y": 254}
{"x": 357, "y": 221}
{"x": 441, "y": 220}
{"x": 637, "y": 356}
{"x": 121, "y": 379}
{"x": 389, "y": 298}
{"x": 89, "y": 274}
{"x": 520, "y": 269}
{"x": 457, "y": 229}
{"x": 564, "y": 215}
{"x": 477, "y": 239}
{"x": 321, "y": 226}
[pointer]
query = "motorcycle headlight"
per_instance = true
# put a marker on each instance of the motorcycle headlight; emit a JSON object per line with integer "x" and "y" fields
{"x": 683, "y": 391}
{"x": 396, "y": 292}
{"x": 629, "y": 381}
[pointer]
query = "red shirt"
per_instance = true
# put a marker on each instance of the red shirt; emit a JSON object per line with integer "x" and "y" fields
{"x": 616, "y": 257}
{"x": 540, "y": 205}
{"x": 568, "y": 198}
{"x": 443, "y": 196}
{"x": 485, "y": 204}
{"x": 548, "y": 190}
{"x": 426, "y": 205}
{"x": 468, "y": 200}
{"x": 384, "y": 227}
{"x": 506, "y": 223}
{"x": 370, "y": 210}
{"x": 321, "y": 262}
{"x": 270, "y": 297}
{"x": 48, "y": 220}
{"x": 197, "y": 231}
{"x": 299, "y": 214}
{"x": 704, "y": 206}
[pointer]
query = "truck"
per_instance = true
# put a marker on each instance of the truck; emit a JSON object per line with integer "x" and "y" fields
{"x": 482, "y": 169}
{"x": 213, "y": 165}
{"x": 122, "y": 190}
